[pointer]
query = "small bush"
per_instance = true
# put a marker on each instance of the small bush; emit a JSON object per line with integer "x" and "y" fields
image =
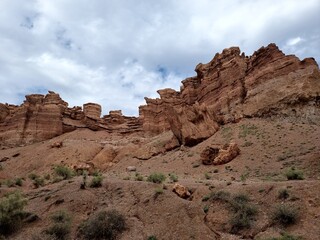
{"x": 18, "y": 182}
{"x": 156, "y": 178}
{"x": 33, "y": 176}
{"x": 219, "y": 195}
{"x": 11, "y": 212}
{"x": 243, "y": 212}
{"x": 60, "y": 229}
{"x": 152, "y": 237}
{"x": 283, "y": 194}
{"x": 60, "y": 217}
{"x": 294, "y": 174}
{"x": 38, "y": 182}
{"x": 64, "y": 171}
{"x": 138, "y": 177}
{"x": 83, "y": 185}
{"x": 9, "y": 183}
{"x": 157, "y": 192}
{"x": 173, "y": 177}
{"x": 206, "y": 209}
{"x": 285, "y": 236}
{"x": 241, "y": 198}
{"x": 96, "y": 181}
{"x": 207, "y": 176}
{"x": 103, "y": 225}
{"x": 285, "y": 215}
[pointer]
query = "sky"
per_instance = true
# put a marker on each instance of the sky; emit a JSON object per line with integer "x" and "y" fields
{"x": 116, "y": 52}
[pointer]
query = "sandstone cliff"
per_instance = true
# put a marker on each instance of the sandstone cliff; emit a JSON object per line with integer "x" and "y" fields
{"x": 42, "y": 117}
{"x": 233, "y": 86}
{"x": 230, "y": 87}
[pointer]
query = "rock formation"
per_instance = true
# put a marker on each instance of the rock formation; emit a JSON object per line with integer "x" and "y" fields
{"x": 219, "y": 156}
{"x": 233, "y": 86}
{"x": 230, "y": 87}
{"x": 181, "y": 191}
{"x": 42, "y": 117}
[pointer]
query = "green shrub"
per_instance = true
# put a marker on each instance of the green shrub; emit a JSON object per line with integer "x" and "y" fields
{"x": 60, "y": 228}
{"x": 18, "y": 182}
{"x": 207, "y": 176}
{"x": 38, "y": 182}
{"x": 206, "y": 209}
{"x": 103, "y": 225}
{"x": 173, "y": 177}
{"x": 241, "y": 198}
{"x": 11, "y": 212}
{"x": 219, "y": 195}
{"x": 96, "y": 181}
{"x": 157, "y": 192}
{"x": 156, "y": 178}
{"x": 285, "y": 236}
{"x": 138, "y": 177}
{"x": 64, "y": 171}
{"x": 84, "y": 180}
{"x": 243, "y": 212}
{"x": 294, "y": 174}
{"x": 33, "y": 176}
{"x": 285, "y": 215}
{"x": 283, "y": 194}
{"x": 9, "y": 183}
{"x": 152, "y": 237}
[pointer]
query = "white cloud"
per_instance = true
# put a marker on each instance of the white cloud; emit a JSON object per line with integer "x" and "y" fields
{"x": 294, "y": 41}
{"x": 116, "y": 52}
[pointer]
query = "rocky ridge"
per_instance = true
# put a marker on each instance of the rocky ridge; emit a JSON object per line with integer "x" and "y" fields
{"x": 230, "y": 87}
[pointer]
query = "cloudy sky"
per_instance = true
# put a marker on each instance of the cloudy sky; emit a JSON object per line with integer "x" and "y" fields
{"x": 116, "y": 52}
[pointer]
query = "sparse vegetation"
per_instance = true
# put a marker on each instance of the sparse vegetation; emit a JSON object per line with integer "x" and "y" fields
{"x": 283, "y": 194}
{"x": 33, "y": 176}
{"x": 152, "y": 237}
{"x": 61, "y": 226}
{"x": 243, "y": 212}
{"x": 173, "y": 177}
{"x": 138, "y": 177}
{"x": 96, "y": 181}
{"x": 38, "y": 182}
{"x": 285, "y": 236}
{"x": 284, "y": 215}
{"x": 63, "y": 171}
{"x": 156, "y": 178}
{"x": 219, "y": 195}
{"x": 18, "y": 182}
{"x": 103, "y": 225}
{"x": 158, "y": 191}
{"x": 11, "y": 212}
{"x": 206, "y": 209}
{"x": 9, "y": 183}
{"x": 207, "y": 176}
{"x": 247, "y": 129}
{"x": 294, "y": 174}
{"x": 83, "y": 185}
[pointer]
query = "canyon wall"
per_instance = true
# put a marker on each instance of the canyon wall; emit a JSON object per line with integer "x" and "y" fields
{"x": 230, "y": 87}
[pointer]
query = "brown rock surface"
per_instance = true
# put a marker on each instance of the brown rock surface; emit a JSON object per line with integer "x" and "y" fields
{"x": 219, "y": 156}
{"x": 233, "y": 86}
{"x": 181, "y": 191}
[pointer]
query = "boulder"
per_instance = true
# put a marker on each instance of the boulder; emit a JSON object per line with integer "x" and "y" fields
{"x": 219, "y": 156}
{"x": 181, "y": 191}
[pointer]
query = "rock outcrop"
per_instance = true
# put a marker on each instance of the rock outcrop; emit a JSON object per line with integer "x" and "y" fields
{"x": 234, "y": 86}
{"x": 230, "y": 87}
{"x": 181, "y": 191}
{"x": 43, "y": 117}
{"x": 219, "y": 156}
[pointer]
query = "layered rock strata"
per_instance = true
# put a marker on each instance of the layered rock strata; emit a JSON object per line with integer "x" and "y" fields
{"x": 233, "y": 86}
